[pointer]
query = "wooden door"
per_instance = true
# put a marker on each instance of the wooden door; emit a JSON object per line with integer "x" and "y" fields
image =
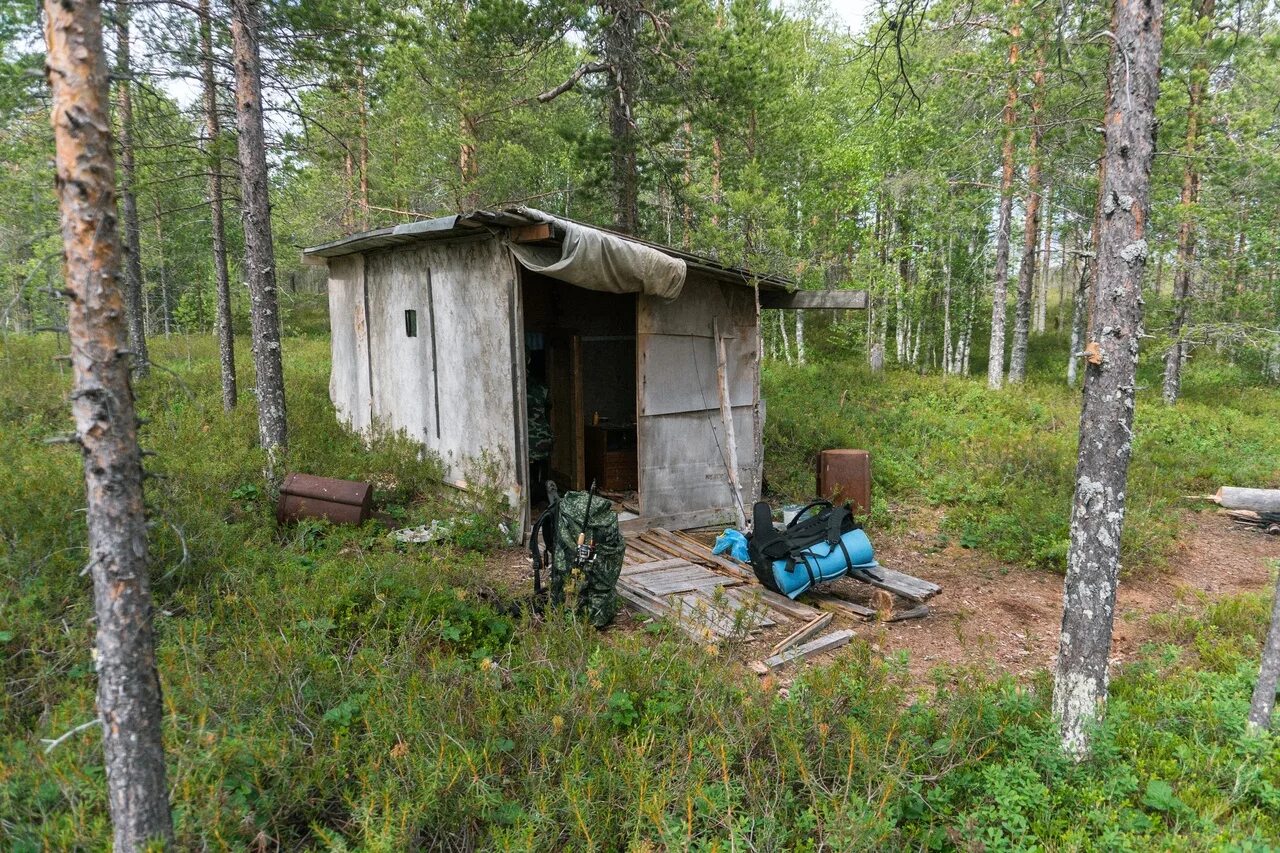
{"x": 564, "y": 377}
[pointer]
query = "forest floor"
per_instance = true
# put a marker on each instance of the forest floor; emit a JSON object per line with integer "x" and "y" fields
{"x": 1006, "y": 619}
{"x": 1002, "y": 618}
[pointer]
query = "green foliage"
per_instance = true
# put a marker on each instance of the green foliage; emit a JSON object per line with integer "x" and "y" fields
{"x": 326, "y": 689}
{"x": 1002, "y": 466}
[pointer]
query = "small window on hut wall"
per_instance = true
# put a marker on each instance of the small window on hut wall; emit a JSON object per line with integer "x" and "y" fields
{"x": 411, "y": 323}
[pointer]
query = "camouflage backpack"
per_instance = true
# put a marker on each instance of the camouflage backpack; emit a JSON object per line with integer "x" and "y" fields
{"x": 580, "y": 537}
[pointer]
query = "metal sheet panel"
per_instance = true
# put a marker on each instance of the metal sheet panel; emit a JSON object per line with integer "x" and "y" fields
{"x": 683, "y": 456}
{"x": 349, "y": 342}
{"x": 684, "y": 467}
{"x": 464, "y": 354}
{"x": 680, "y": 373}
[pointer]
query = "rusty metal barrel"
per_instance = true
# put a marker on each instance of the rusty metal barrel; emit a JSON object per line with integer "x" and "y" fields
{"x": 339, "y": 501}
{"x": 845, "y": 475}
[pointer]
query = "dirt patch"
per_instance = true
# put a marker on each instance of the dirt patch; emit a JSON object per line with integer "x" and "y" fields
{"x": 1006, "y": 619}
{"x": 993, "y": 616}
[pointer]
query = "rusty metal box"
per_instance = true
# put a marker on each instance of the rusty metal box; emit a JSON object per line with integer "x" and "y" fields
{"x": 845, "y": 475}
{"x": 339, "y": 501}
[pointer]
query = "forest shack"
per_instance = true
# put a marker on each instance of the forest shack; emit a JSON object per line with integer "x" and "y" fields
{"x": 441, "y": 327}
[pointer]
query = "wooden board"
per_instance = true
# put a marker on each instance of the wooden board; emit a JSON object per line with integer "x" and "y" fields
{"x": 825, "y": 643}
{"x": 805, "y": 631}
{"x": 835, "y": 604}
{"x": 837, "y": 299}
{"x": 909, "y": 587}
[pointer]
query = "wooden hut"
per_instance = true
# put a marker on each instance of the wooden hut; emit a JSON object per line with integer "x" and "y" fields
{"x": 441, "y": 328}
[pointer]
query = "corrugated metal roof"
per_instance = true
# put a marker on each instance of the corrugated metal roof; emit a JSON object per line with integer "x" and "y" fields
{"x": 480, "y": 222}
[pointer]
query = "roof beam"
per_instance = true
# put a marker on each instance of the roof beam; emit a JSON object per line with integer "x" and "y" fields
{"x": 846, "y": 299}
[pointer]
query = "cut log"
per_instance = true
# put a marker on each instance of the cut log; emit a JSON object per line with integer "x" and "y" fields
{"x": 918, "y": 612}
{"x": 826, "y": 643}
{"x": 1257, "y": 500}
{"x": 803, "y": 633}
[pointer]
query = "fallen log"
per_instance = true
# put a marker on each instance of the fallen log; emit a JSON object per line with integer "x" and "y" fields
{"x": 1234, "y": 497}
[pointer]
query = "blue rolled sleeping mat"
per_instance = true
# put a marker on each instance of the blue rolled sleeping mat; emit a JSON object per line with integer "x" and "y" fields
{"x": 821, "y": 543}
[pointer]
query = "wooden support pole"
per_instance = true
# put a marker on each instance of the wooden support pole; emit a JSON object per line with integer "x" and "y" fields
{"x": 726, "y": 416}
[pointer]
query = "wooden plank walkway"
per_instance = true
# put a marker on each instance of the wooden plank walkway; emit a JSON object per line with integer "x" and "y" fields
{"x": 709, "y": 597}
{"x": 673, "y": 575}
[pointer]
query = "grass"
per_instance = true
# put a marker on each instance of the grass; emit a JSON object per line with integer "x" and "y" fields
{"x": 1001, "y": 465}
{"x": 327, "y": 689}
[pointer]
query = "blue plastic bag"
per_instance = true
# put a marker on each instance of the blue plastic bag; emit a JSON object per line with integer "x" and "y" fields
{"x": 733, "y": 543}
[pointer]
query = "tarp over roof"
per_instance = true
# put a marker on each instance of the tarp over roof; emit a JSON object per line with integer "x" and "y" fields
{"x": 620, "y": 262}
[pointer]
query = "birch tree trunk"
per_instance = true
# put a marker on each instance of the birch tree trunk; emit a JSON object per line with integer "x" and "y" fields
{"x": 1264, "y": 692}
{"x": 1186, "y": 257}
{"x": 800, "y": 337}
{"x": 213, "y": 127}
{"x": 1106, "y": 419}
{"x": 102, "y": 403}
{"x": 1042, "y": 293}
{"x": 260, "y": 265}
{"x": 135, "y": 308}
{"x": 1000, "y": 288}
{"x": 1030, "y": 237}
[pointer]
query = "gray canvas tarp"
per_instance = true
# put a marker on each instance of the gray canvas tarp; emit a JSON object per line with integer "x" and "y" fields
{"x": 598, "y": 260}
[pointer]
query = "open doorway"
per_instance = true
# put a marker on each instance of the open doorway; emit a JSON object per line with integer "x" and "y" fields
{"x": 580, "y": 380}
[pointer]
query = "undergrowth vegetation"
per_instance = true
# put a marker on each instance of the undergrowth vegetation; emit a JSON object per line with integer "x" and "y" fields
{"x": 326, "y": 688}
{"x": 1001, "y": 466}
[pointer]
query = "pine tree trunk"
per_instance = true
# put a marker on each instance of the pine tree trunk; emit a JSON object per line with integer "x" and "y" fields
{"x": 1106, "y": 418}
{"x": 260, "y": 266}
{"x": 135, "y": 308}
{"x": 129, "y": 701}
{"x": 1030, "y": 237}
{"x": 620, "y": 51}
{"x": 1186, "y": 256}
{"x": 213, "y": 127}
{"x": 1264, "y": 692}
{"x": 362, "y": 107}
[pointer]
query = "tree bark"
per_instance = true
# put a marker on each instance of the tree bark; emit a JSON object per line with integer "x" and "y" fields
{"x": 260, "y": 266}
{"x": 620, "y": 53}
{"x": 129, "y": 702}
{"x": 166, "y": 311}
{"x": 1000, "y": 288}
{"x": 133, "y": 284}
{"x": 1042, "y": 295}
{"x": 226, "y": 336}
{"x": 1186, "y": 256}
{"x": 1106, "y": 418}
{"x": 1264, "y": 692}
{"x": 1030, "y": 236}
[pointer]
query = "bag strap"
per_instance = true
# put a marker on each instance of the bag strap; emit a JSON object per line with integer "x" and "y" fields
{"x": 799, "y": 516}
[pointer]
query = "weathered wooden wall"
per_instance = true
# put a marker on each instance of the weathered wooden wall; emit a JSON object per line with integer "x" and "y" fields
{"x": 455, "y": 386}
{"x": 349, "y": 342}
{"x": 682, "y": 445}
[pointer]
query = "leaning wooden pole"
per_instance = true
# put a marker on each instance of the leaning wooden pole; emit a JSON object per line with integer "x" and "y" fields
{"x": 106, "y": 427}
{"x": 1106, "y": 419}
{"x": 726, "y": 419}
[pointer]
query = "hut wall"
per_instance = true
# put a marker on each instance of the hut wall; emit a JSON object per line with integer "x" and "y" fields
{"x": 682, "y": 445}
{"x": 457, "y": 384}
{"x": 349, "y": 342}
